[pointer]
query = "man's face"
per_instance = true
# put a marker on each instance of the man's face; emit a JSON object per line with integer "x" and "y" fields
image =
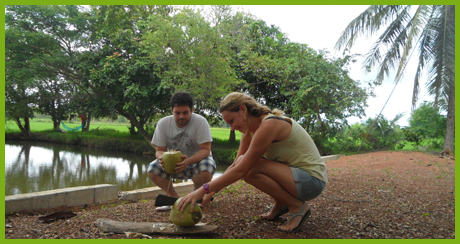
{"x": 182, "y": 115}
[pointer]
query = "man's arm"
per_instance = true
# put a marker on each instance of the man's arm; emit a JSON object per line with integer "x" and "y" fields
{"x": 205, "y": 150}
{"x": 159, "y": 152}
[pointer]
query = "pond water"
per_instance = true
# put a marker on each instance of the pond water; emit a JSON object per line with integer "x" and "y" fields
{"x": 37, "y": 166}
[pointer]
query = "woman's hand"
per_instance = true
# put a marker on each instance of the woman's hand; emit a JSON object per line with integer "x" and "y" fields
{"x": 192, "y": 197}
{"x": 207, "y": 199}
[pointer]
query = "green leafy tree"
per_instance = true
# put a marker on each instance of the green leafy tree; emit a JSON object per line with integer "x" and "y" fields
{"x": 326, "y": 96}
{"x": 19, "y": 100}
{"x": 427, "y": 121}
{"x": 46, "y": 40}
{"x": 191, "y": 55}
{"x": 76, "y": 43}
{"x": 278, "y": 73}
{"x": 21, "y": 97}
{"x": 265, "y": 64}
{"x": 53, "y": 100}
{"x": 307, "y": 85}
{"x": 431, "y": 29}
{"x": 259, "y": 60}
{"x": 120, "y": 72}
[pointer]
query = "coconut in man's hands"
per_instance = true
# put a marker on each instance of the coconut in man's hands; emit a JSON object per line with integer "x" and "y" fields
{"x": 170, "y": 159}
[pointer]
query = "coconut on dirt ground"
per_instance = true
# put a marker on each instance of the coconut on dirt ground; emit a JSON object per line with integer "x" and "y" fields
{"x": 185, "y": 218}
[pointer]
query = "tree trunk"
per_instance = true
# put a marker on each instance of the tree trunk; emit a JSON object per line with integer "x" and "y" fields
{"x": 87, "y": 123}
{"x": 55, "y": 115}
{"x": 450, "y": 127}
{"x": 140, "y": 128}
{"x": 27, "y": 126}
{"x": 132, "y": 130}
{"x": 232, "y": 136}
{"x": 25, "y": 130}
{"x": 18, "y": 123}
{"x": 56, "y": 124}
{"x": 323, "y": 133}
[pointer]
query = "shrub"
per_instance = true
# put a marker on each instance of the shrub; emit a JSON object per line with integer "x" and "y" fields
{"x": 224, "y": 156}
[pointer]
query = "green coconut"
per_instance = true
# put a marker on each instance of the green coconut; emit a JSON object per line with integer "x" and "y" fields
{"x": 170, "y": 159}
{"x": 185, "y": 218}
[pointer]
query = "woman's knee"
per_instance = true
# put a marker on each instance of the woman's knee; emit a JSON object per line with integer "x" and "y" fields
{"x": 248, "y": 178}
{"x": 238, "y": 160}
{"x": 252, "y": 175}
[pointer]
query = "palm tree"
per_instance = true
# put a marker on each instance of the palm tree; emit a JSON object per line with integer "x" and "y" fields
{"x": 430, "y": 29}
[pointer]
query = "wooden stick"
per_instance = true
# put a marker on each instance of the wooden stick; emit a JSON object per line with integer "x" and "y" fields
{"x": 108, "y": 225}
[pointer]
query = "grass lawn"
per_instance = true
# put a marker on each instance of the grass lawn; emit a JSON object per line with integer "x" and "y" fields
{"x": 38, "y": 125}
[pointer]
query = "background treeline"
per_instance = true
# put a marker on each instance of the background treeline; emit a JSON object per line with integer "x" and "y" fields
{"x": 112, "y": 61}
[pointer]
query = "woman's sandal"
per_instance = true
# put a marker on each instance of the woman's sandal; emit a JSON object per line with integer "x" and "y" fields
{"x": 304, "y": 217}
{"x": 278, "y": 215}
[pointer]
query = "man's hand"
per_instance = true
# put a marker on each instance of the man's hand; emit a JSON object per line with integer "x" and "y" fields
{"x": 160, "y": 159}
{"x": 182, "y": 165}
{"x": 159, "y": 154}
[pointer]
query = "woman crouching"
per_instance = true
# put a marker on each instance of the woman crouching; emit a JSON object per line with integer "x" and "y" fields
{"x": 276, "y": 155}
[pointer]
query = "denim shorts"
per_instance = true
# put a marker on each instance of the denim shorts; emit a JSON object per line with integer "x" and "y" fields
{"x": 308, "y": 187}
{"x": 206, "y": 164}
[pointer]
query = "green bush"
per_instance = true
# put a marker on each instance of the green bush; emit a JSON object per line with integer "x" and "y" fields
{"x": 412, "y": 136}
{"x": 427, "y": 121}
{"x": 122, "y": 119}
{"x": 224, "y": 156}
{"x": 344, "y": 145}
{"x": 407, "y": 146}
{"x": 223, "y": 151}
{"x": 433, "y": 143}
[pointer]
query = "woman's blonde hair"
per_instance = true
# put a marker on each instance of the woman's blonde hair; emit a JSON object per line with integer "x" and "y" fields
{"x": 234, "y": 100}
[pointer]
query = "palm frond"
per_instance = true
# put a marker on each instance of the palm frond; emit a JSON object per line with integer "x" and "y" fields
{"x": 442, "y": 72}
{"x": 368, "y": 22}
{"x": 390, "y": 42}
{"x": 416, "y": 26}
{"x": 425, "y": 51}
{"x": 397, "y": 118}
{"x": 430, "y": 30}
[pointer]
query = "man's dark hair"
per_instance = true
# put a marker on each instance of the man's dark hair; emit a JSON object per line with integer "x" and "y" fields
{"x": 182, "y": 99}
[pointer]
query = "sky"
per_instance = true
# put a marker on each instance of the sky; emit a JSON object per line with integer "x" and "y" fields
{"x": 320, "y": 26}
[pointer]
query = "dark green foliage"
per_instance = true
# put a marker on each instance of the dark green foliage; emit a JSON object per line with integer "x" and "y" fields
{"x": 384, "y": 135}
{"x": 428, "y": 122}
{"x": 412, "y": 136}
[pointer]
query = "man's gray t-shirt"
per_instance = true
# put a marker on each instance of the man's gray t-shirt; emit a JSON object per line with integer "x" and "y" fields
{"x": 186, "y": 139}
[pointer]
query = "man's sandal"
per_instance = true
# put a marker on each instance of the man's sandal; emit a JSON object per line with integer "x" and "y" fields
{"x": 278, "y": 215}
{"x": 304, "y": 217}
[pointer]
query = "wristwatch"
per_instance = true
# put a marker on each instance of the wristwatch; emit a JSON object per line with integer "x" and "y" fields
{"x": 206, "y": 188}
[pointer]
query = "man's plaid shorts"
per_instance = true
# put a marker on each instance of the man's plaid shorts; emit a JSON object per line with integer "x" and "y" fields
{"x": 206, "y": 164}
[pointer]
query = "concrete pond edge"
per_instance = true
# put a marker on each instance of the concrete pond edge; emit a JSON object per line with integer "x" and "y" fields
{"x": 95, "y": 194}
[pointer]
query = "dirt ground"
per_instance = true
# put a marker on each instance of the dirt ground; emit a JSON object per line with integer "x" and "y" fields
{"x": 409, "y": 195}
